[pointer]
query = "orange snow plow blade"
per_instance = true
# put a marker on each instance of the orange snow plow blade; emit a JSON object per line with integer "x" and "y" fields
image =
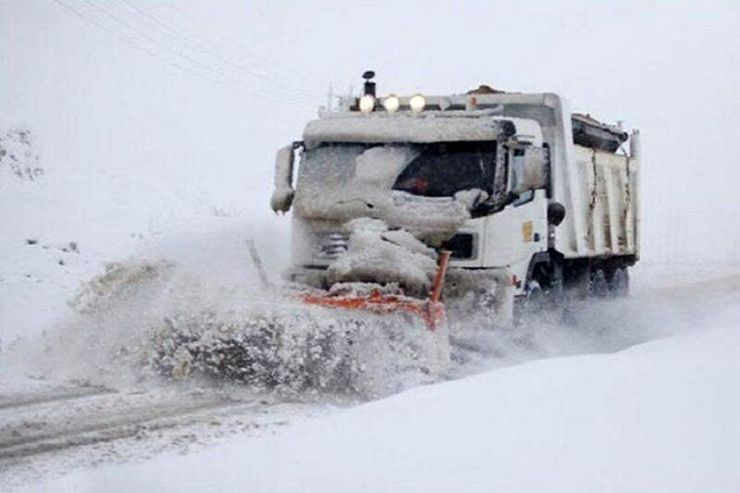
{"x": 431, "y": 310}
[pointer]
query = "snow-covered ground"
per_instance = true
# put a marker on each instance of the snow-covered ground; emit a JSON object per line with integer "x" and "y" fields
{"x": 604, "y": 409}
{"x": 630, "y": 394}
{"x": 659, "y": 416}
{"x": 141, "y": 156}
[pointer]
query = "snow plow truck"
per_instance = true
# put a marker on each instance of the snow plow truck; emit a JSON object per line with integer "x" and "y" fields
{"x": 410, "y": 203}
{"x": 425, "y": 230}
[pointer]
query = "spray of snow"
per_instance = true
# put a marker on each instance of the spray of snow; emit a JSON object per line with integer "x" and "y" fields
{"x": 172, "y": 316}
{"x": 180, "y": 310}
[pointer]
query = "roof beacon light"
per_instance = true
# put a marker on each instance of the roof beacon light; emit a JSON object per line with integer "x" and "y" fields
{"x": 367, "y": 103}
{"x": 417, "y": 103}
{"x": 391, "y": 103}
{"x": 369, "y": 84}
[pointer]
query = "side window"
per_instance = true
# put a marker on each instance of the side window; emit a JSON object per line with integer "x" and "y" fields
{"x": 529, "y": 172}
{"x": 517, "y": 169}
{"x": 523, "y": 198}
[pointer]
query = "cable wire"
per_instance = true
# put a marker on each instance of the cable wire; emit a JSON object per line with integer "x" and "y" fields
{"x": 205, "y": 72}
{"x": 185, "y": 56}
{"x": 203, "y": 48}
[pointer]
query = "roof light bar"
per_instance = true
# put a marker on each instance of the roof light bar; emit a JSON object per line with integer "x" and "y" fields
{"x": 391, "y": 103}
{"x": 417, "y": 103}
{"x": 367, "y": 103}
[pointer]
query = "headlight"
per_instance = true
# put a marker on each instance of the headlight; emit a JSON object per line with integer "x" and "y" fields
{"x": 391, "y": 104}
{"x": 417, "y": 103}
{"x": 367, "y": 103}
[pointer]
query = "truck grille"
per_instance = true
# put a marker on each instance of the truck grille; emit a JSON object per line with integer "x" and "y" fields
{"x": 331, "y": 245}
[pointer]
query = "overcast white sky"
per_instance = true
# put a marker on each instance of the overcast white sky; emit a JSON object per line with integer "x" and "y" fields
{"x": 207, "y": 90}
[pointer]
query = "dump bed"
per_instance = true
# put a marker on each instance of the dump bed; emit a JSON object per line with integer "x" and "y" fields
{"x": 608, "y": 200}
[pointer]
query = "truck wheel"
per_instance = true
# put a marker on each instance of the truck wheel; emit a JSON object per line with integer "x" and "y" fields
{"x": 599, "y": 283}
{"x": 578, "y": 285}
{"x": 533, "y": 301}
{"x": 619, "y": 282}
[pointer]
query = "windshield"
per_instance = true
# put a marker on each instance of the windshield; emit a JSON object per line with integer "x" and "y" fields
{"x": 334, "y": 166}
{"x": 443, "y": 169}
{"x": 432, "y": 170}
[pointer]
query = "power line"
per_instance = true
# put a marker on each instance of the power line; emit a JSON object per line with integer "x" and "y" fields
{"x": 176, "y": 53}
{"x": 194, "y": 43}
{"x": 172, "y": 7}
{"x": 120, "y": 37}
{"x": 157, "y": 55}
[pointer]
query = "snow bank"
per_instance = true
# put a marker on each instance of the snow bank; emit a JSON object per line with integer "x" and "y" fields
{"x": 660, "y": 416}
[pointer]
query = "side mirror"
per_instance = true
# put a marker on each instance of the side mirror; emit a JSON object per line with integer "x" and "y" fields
{"x": 282, "y": 196}
{"x": 529, "y": 169}
{"x": 555, "y": 213}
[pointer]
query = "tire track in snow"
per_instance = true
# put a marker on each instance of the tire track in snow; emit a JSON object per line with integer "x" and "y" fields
{"x": 16, "y": 401}
{"x": 114, "y": 416}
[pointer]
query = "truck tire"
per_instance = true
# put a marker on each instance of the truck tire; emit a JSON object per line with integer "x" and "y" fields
{"x": 619, "y": 282}
{"x": 578, "y": 284}
{"x": 599, "y": 283}
{"x": 535, "y": 299}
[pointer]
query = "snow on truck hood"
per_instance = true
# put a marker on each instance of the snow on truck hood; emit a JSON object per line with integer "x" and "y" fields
{"x": 433, "y": 126}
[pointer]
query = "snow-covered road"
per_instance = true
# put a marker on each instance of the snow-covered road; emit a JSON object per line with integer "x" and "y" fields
{"x": 48, "y": 422}
{"x": 60, "y": 428}
{"x": 575, "y": 418}
{"x": 658, "y": 417}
